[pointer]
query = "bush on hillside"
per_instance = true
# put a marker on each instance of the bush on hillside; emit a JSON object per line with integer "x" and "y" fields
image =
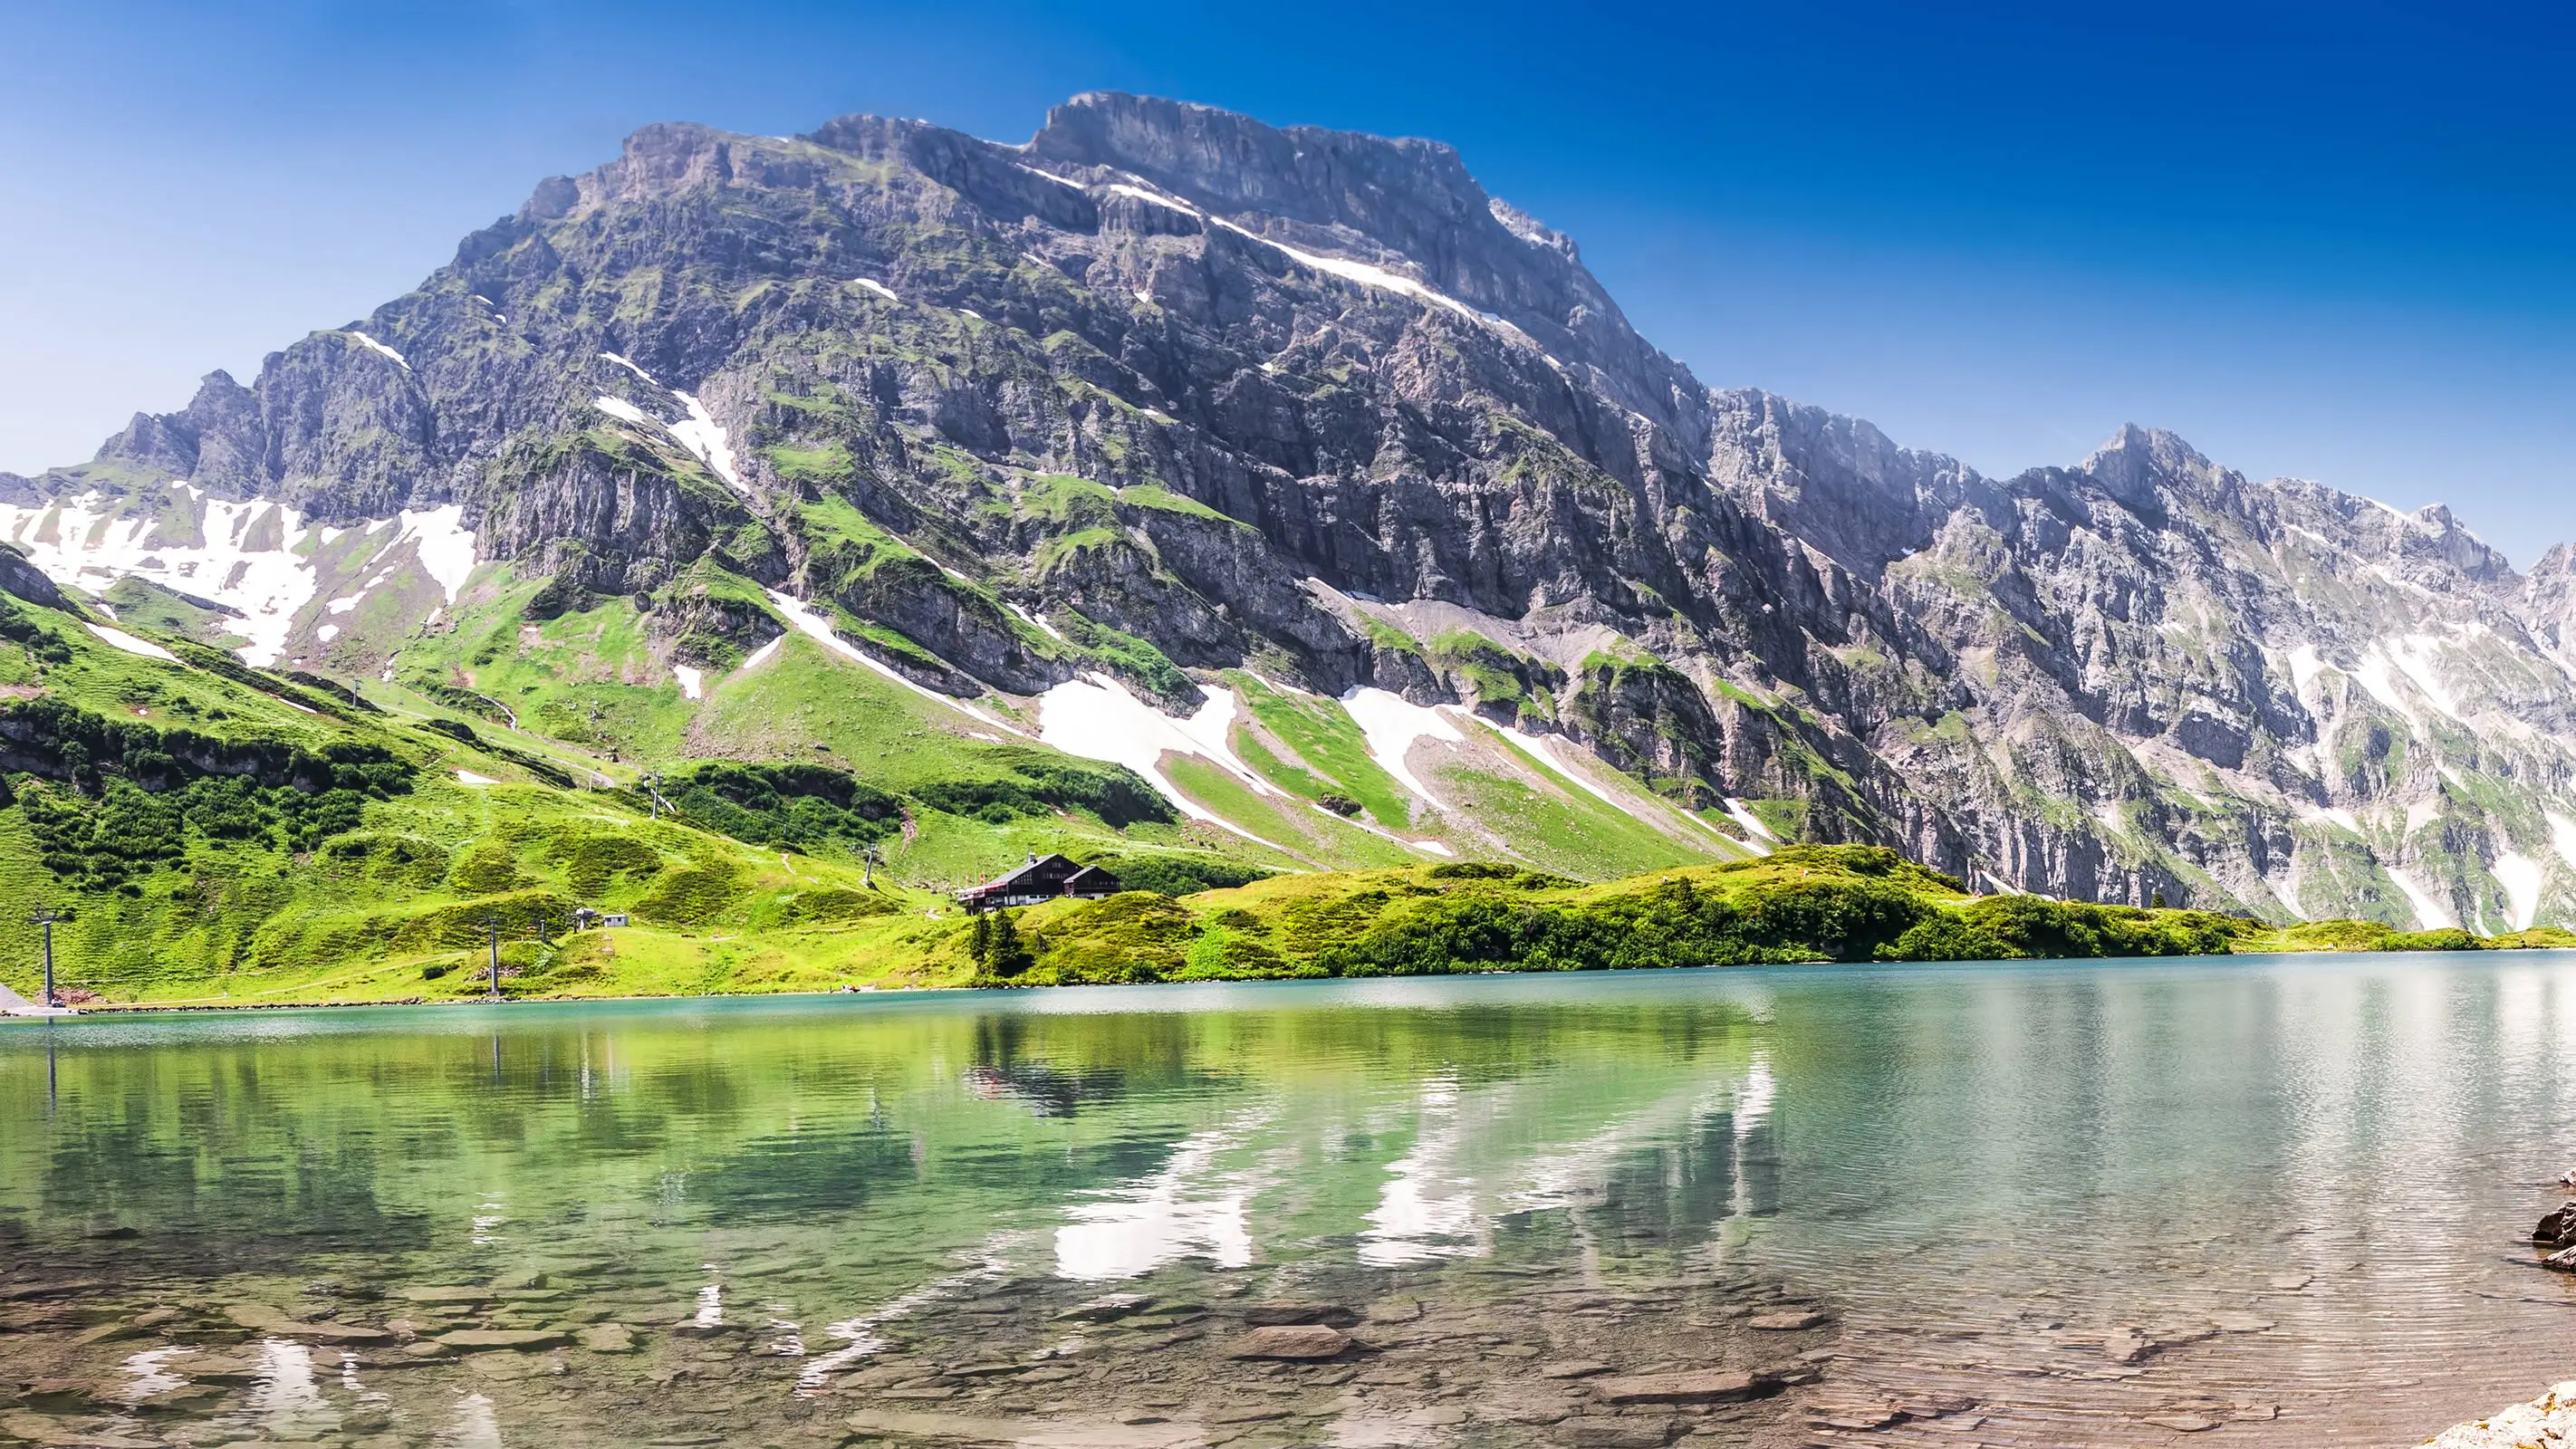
{"x": 120, "y": 798}
{"x": 1040, "y": 785}
{"x": 405, "y": 860}
{"x": 2038, "y": 926}
{"x": 805, "y": 807}
{"x": 487, "y": 868}
{"x": 1178, "y": 875}
{"x": 836, "y": 903}
{"x": 689, "y": 895}
{"x": 2447, "y": 938}
{"x": 592, "y": 860}
{"x": 19, "y": 627}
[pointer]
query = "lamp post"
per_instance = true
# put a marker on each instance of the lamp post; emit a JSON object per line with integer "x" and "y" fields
{"x": 45, "y": 916}
{"x": 492, "y": 924}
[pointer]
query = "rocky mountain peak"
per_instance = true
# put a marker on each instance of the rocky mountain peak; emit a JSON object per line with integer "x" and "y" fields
{"x": 1168, "y": 391}
{"x": 1371, "y": 184}
{"x": 2135, "y": 464}
{"x": 1408, "y": 203}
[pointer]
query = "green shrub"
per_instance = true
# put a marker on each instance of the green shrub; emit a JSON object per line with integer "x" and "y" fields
{"x": 398, "y": 859}
{"x": 1000, "y": 956}
{"x": 138, "y": 795}
{"x": 837, "y": 904}
{"x": 487, "y": 868}
{"x": 2038, "y": 926}
{"x": 689, "y": 895}
{"x": 2448, "y": 938}
{"x": 1947, "y": 937}
{"x": 1040, "y": 785}
{"x": 1178, "y": 875}
{"x": 806, "y": 807}
{"x": 592, "y": 860}
{"x": 43, "y": 645}
{"x": 463, "y": 927}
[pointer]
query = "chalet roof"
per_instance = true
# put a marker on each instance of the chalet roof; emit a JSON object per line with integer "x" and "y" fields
{"x": 1040, "y": 867}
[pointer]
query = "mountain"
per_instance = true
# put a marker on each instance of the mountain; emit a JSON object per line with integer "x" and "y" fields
{"x": 1339, "y": 502}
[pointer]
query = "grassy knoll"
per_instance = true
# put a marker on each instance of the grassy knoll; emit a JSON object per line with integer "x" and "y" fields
{"x": 1800, "y": 904}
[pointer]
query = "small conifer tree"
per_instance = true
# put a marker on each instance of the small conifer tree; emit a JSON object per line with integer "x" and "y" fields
{"x": 1004, "y": 953}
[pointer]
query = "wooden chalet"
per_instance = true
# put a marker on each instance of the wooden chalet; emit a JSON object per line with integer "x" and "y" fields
{"x": 1044, "y": 878}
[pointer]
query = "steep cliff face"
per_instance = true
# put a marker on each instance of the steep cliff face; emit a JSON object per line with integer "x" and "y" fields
{"x": 1169, "y": 390}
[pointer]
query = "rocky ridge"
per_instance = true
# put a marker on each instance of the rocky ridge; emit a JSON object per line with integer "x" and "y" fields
{"x": 1167, "y": 391}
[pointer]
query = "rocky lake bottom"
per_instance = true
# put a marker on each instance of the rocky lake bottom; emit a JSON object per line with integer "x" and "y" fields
{"x": 2072, "y": 1207}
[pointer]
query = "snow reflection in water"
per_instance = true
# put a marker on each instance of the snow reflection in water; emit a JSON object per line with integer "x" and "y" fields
{"x": 1178, "y": 1211}
{"x": 473, "y": 1426}
{"x": 148, "y": 1376}
{"x": 284, "y": 1399}
{"x": 1427, "y": 1209}
{"x": 860, "y": 1336}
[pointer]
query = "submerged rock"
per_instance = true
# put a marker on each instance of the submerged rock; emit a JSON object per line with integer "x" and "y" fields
{"x": 1331, "y": 1314}
{"x": 472, "y": 1340}
{"x": 1699, "y": 1386}
{"x": 1290, "y": 1341}
{"x": 1604, "y": 1432}
{"x": 1107, "y": 1307}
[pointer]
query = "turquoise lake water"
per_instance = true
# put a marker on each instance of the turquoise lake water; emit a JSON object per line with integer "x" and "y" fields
{"x": 2045, "y": 1204}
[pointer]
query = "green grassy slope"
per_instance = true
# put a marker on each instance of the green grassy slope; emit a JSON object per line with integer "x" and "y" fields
{"x": 225, "y": 835}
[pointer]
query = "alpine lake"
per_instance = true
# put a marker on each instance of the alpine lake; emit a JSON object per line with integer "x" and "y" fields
{"x": 2249, "y": 1201}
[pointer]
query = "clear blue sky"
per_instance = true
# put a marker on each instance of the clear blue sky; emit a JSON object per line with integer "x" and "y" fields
{"x": 2330, "y": 240}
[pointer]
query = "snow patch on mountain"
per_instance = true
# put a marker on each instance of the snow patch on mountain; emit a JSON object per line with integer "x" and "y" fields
{"x": 2519, "y": 874}
{"x": 701, "y": 434}
{"x": 2373, "y": 672}
{"x": 442, "y": 543}
{"x": 1147, "y": 194}
{"x": 1036, "y": 621}
{"x": 132, "y": 645}
{"x": 1548, "y": 751}
{"x": 2430, "y": 913}
{"x": 82, "y": 543}
{"x": 1390, "y": 724}
{"x": 1758, "y": 836}
{"x": 2305, "y": 666}
{"x": 623, "y": 361}
{"x": 373, "y": 345}
{"x": 1096, "y": 718}
{"x": 2415, "y": 656}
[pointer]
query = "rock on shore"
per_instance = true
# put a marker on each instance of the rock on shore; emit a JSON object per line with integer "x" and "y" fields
{"x": 2544, "y": 1422}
